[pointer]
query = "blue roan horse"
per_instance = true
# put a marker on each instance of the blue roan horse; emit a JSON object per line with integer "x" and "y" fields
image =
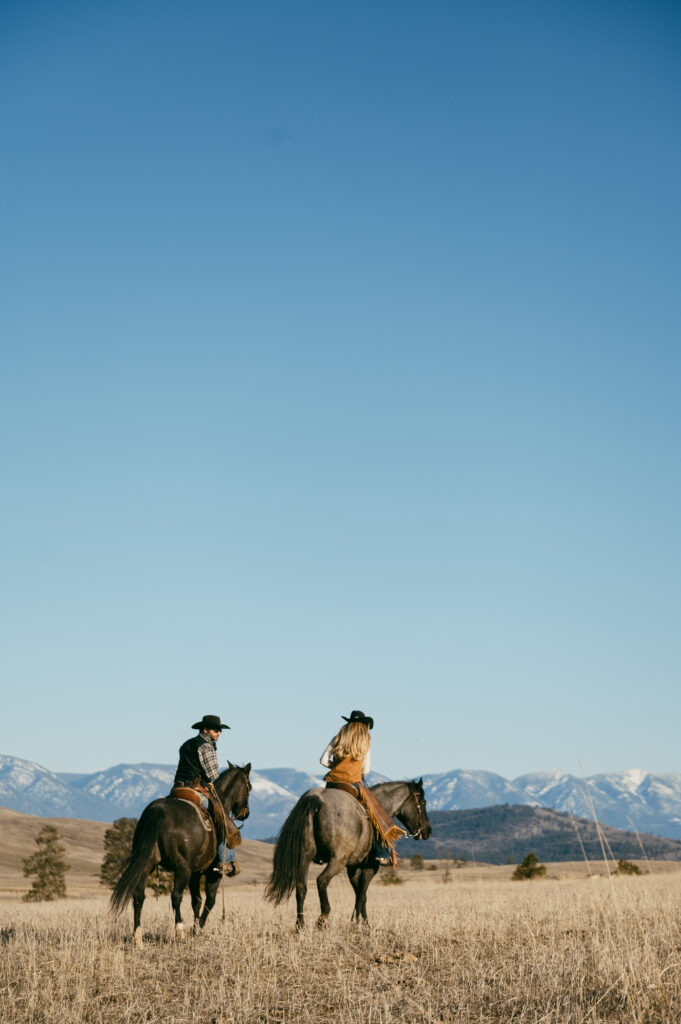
{"x": 330, "y": 826}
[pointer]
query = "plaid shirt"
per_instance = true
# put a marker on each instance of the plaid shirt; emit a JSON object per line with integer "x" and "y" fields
{"x": 209, "y": 758}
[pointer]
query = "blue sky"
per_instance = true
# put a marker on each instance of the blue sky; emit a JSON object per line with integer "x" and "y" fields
{"x": 341, "y": 370}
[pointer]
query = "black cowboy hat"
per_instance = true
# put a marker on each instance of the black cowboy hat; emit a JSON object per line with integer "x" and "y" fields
{"x": 210, "y": 722}
{"x": 359, "y": 716}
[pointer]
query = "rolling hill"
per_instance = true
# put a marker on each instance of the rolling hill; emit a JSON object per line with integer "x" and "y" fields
{"x": 505, "y": 834}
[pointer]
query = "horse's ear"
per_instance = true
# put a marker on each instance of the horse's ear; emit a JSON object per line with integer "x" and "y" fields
{"x": 230, "y": 764}
{"x": 420, "y": 783}
{"x": 247, "y": 768}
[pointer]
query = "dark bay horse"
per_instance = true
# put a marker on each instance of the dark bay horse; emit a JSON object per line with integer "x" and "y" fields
{"x": 170, "y": 833}
{"x": 330, "y": 826}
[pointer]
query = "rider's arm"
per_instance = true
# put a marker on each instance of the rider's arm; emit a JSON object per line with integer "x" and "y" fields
{"x": 209, "y": 761}
{"x": 325, "y": 759}
{"x": 366, "y": 766}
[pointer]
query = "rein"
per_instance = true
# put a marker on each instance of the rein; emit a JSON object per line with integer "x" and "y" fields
{"x": 239, "y": 819}
{"x": 235, "y": 819}
{"x": 418, "y": 834}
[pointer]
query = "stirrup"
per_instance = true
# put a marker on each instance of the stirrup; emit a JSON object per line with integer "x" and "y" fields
{"x": 229, "y": 869}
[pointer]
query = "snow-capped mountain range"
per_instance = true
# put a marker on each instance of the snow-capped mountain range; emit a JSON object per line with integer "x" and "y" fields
{"x": 633, "y": 799}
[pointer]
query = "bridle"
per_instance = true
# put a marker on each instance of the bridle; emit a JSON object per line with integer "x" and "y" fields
{"x": 418, "y": 834}
{"x": 239, "y": 818}
{"x": 243, "y": 813}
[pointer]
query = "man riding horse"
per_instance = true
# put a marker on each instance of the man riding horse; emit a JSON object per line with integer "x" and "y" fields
{"x": 197, "y": 770}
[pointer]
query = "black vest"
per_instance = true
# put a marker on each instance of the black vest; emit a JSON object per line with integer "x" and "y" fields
{"x": 189, "y": 766}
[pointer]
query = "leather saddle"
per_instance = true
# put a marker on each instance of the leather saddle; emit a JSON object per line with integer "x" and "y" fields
{"x": 192, "y": 795}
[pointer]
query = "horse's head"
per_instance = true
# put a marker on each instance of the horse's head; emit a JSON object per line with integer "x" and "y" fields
{"x": 413, "y": 813}
{"x": 237, "y": 790}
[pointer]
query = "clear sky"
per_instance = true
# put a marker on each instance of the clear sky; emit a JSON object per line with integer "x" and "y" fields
{"x": 341, "y": 370}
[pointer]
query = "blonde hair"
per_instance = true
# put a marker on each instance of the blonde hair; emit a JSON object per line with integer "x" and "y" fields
{"x": 353, "y": 740}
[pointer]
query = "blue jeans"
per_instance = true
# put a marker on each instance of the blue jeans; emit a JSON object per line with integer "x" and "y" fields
{"x": 225, "y": 854}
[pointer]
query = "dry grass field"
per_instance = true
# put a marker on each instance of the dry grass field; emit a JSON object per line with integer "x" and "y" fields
{"x": 477, "y": 948}
{"x": 83, "y": 843}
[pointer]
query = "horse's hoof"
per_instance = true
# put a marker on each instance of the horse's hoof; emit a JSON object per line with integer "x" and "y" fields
{"x": 300, "y": 924}
{"x": 137, "y": 937}
{"x": 322, "y": 921}
{"x": 179, "y": 933}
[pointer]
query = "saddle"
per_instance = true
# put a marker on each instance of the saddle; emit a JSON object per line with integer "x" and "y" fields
{"x": 190, "y": 793}
{"x": 224, "y": 826}
{"x": 347, "y": 787}
{"x": 193, "y": 797}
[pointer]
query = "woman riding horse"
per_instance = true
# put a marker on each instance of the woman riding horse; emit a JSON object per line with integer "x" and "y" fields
{"x": 331, "y": 826}
{"x": 348, "y": 755}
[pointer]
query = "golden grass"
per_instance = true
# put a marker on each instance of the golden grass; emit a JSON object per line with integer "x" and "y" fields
{"x": 83, "y": 843}
{"x": 479, "y": 949}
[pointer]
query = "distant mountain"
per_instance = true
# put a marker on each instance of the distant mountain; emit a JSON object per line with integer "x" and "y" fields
{"x": 500, "y": 835}
{"x": 460, "y": 788}
{"x": 291, "y": 780}
{"x": 631, "y": 799}
{"x": 126, "y": 789}
{"x": 32, "y": 789}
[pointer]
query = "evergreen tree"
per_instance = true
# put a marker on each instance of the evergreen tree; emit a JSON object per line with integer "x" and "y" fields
{"x": 48, "y": 867}
{"x": 118, "y": 847}
{"x": 530, "y": 868}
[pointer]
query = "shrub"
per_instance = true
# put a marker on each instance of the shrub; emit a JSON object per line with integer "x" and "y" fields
{"x": 48, "y": 867}
{"x": 625, "y": 867}
{"x": 417, "y": 862}
{"x": 529, "y": 868}
{"x": 391, "y": 877}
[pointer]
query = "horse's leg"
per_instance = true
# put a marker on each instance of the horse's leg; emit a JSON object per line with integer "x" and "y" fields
{"x": 195, "y": 893}
{"x": 182, "y": 876}
{"x": 212, "y": 886}
{"x": 354, "y": 874}
{"x": 137, "y": 902}
{"x": 360, "y": 886}
{"x": 301, "y": 893}
{"x": 330, "y": 871}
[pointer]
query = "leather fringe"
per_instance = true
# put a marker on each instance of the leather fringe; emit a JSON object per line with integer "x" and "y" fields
{"x": 232, "y": 834}
{"x": 384, "y": 825}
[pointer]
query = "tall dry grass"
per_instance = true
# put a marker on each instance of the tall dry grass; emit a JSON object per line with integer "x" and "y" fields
{"x": 554, "y": 951}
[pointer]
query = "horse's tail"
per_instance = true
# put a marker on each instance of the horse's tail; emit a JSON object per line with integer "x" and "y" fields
{"x": 296, "y": 836}
{"x": 146, "y": 836}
